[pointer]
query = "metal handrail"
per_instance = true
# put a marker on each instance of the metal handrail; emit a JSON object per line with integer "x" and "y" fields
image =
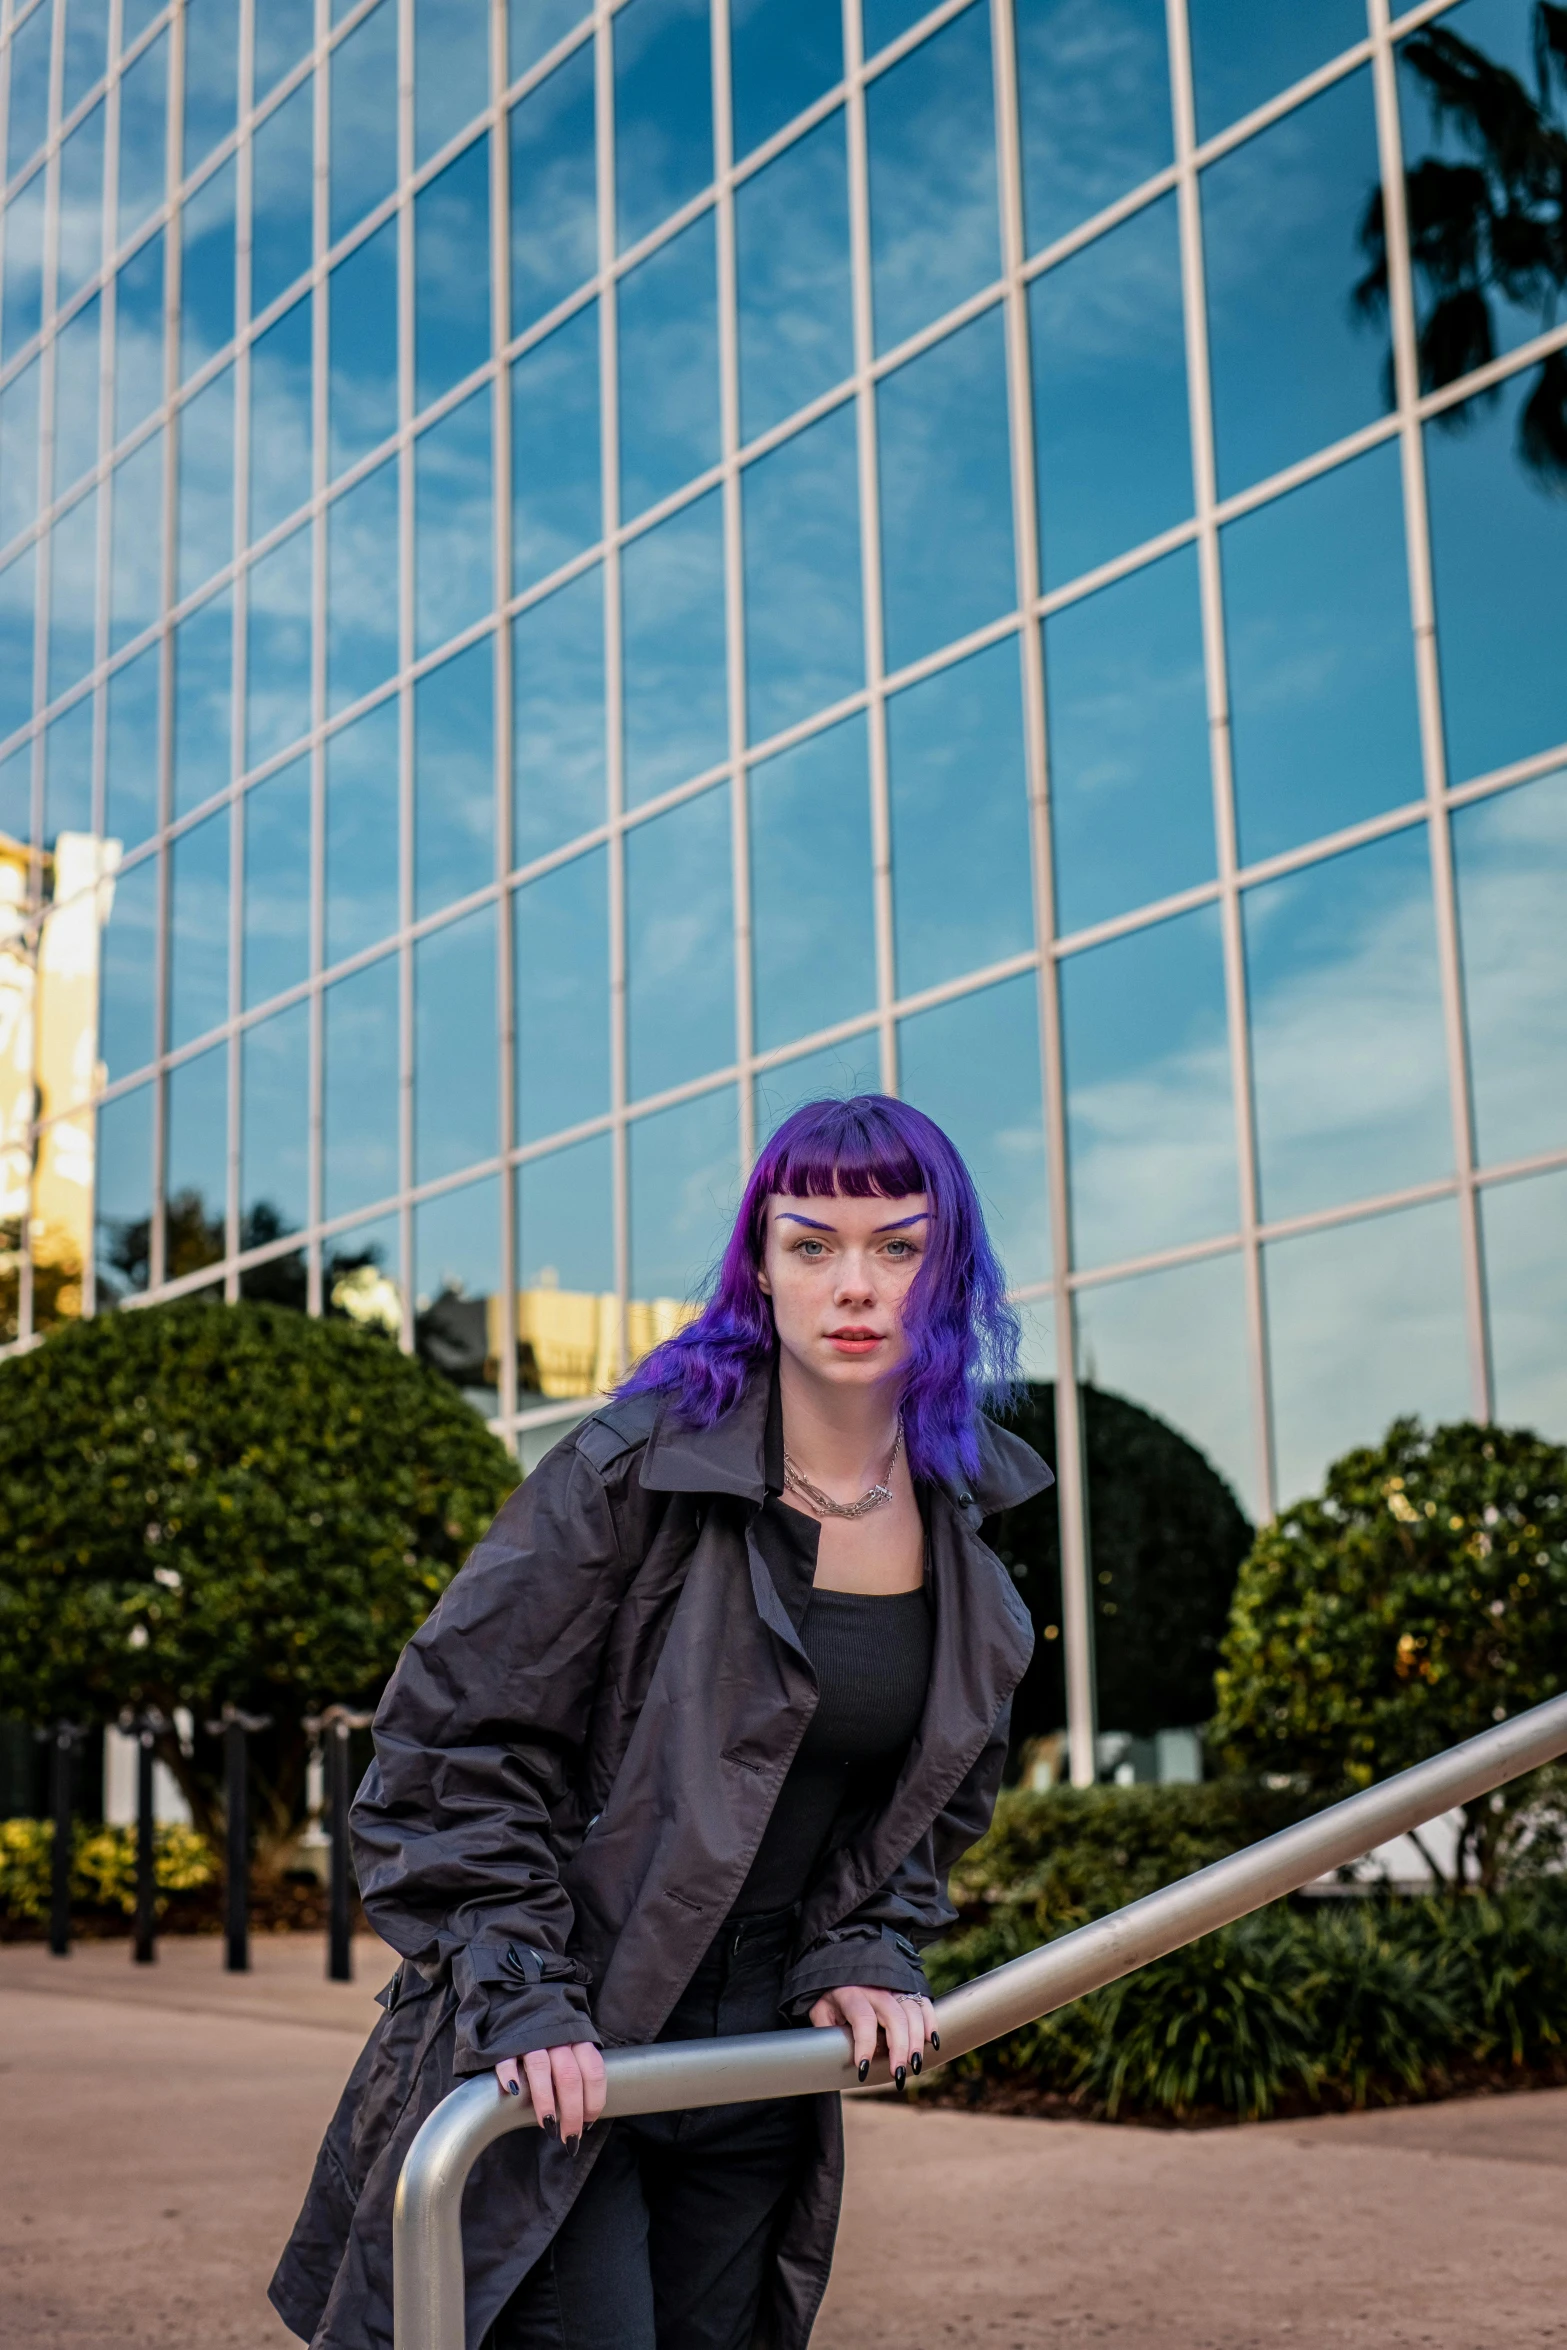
{"x": 427, "y": 2231}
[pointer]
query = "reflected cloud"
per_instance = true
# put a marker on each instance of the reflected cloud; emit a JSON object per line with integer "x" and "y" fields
{"x": 1510, "y": 854}
{"x": 930, "y": 132}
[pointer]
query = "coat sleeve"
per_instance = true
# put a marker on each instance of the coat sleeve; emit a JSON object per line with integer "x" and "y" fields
{"x": 476, "y": 1742}
{"x": 878, "y": 1944}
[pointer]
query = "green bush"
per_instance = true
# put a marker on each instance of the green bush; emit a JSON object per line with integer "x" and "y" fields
{"x": 103, "y": 1866}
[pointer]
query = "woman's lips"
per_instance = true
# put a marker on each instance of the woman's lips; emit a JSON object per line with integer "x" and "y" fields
{"x": 854, "y": 1342}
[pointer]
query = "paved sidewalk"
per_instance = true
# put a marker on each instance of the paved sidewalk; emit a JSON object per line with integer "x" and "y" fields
{"x": 160, "y": 2124}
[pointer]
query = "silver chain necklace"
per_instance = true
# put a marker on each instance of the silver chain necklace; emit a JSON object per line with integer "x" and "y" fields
{"x": 871, "y": 1499}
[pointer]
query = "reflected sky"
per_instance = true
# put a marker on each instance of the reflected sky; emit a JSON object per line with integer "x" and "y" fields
{"x": 360, "y": 1094}
{"x": 685, "y": 1187}
{"x": 794, "y": 297}
{"x": 1150, "y": 1117}
{"x": 672, "y": 603}
{"x": 451, "y": 71}
{"x": 17, "y": 585}
{"x": 1325, "y": 723}
{"x": 122, "y": 1194}
{"x": 560, "y": 940}
{"x": 80, "y": 250}
{"x": 275, "y": 947}
{"x": 73, "y": 588}
{"x": 136, "y": 543}
{"x": 131, "y": 786}
{"x": 554, "y": 201}
{"x": 1498, "y": 535}
{"x": 361, "y": 833}
{"x": 833, "y": 1072}
{"x": 557, "y": 476}
{"x": 86, "y": 47}
{"x": 280, "y": 406}
{"x": 364, "y": 119}
{"x": 955, "y": 740}
{"x": 283, "y": 186}
{"x": 680, "y": 1014}
{"x": 19, "y": 452}
{"x": 813, "y": 940}
{"x": 1293, "y": 366}
{"x": 144, "y": 99}
{"x": 884, "y": 20}
{"x": 456, "y": 1063}
{"x": 804, "y": 627}
{"x": 534, "y": 27}
{"x": 946, "y": 512}
{"x": 1094, "y": 96}
{"x": 454, "y": 778}
{"x": 668, "y": 330}
{"x": 973, "y": 1066}
{"x": 283, "y": 31}
{"x": 207, "y": 270}
{"x": 1245, "y": 51}
{"x": 16, "y": 792}
{"x": 663, "y": 111}
{"x": 362, "y": 378}
{"x": 1349, "y": 1070}
{"x": 1526, "y": 1291}
{"x": 1131, "y": 797}
{"x": 277, "y": 664}
{"x": 195, "y": 1175}
{"x": 21, "y": 305}
{"x": 202, "y": 702}
{"x": 451, "y": 284}
{"x": 565, "y": 1219}
{"x": 1510, "y": 857}
{"x": 557, "y": 694}
{"x": 199, "y": 929}
{"x": 68, "y": 771}
{"x": 210, "y": 76}
{"x": 76, "y": 396}
{"x": 27, "y": 113}
{"x": 930, "y": 135}
{"x": 138, "y": 336}
{"x": 274, "y": 1119}
{"x": 457, "y": 1243}
{"x": 206, "y": 482}
{"x": 1365, "y": 1321}
{"x": 127, "y": 1035}
{"x": 1112, "y": 439}
{"x": 782, "y": 55}
{"x": 454, "y": 558}
{"x": 1175, "y": 1342}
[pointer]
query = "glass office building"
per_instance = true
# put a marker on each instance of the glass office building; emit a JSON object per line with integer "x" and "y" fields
{"x": 568, "y": 582}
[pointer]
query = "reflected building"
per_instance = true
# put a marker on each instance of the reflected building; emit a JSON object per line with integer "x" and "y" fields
{"x": 592, "y": 576}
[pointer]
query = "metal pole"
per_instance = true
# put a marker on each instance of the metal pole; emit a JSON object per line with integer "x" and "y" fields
{"x": 428, "y": 2292}
{"x": 146, "y": 1950}
{"x": 62, "y": 1805}
{"x": 234, "y": 1728}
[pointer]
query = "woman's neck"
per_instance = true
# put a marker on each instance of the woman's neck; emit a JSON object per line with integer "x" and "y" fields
{"x": 840, "y": 1436}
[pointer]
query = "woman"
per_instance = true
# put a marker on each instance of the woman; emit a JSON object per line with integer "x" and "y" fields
{"x": 689, "y": 1747}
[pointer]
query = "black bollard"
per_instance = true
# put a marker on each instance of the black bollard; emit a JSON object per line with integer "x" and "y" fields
{"x": 146, "y": 1949}
{"x": 62, "y": 1803}
{"x": 234, "y": 1728}
{"x": 339, "y": 1724}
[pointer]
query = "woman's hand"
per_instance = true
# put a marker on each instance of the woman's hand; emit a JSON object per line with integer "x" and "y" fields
{"x": 565, "y": 2084}
{"x": 906, "y": 2024}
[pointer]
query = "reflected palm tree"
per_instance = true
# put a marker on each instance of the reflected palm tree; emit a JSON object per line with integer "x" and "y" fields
{"x": 1488, "y": 228}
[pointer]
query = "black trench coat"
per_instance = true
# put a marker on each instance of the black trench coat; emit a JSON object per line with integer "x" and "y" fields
{"x": 574, "y": 1763}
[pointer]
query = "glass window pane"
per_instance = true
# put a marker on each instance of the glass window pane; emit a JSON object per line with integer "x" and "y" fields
{"x": 202, "y": 702}
{"x": 86, "y": 46}
{"x": 122, "y": 1203}
{"x": 1499, "y": 551}
{"x": 136, "y": 558}
{"x": 557, "y": 695}
{"x": 457, "y": 1243}
{"x": 557, "y": 474}
{"x": 1245, "y": 51}
{"x": 1511, "y": 859}
{"x": 1349, "y": 1066}
{"x": 1325, "y": 723}
{"x": 274, "y": 1165}
{"x": 1175, "y": 1342}
{"x": 144, "y": 106}
{"x": 561, "y": 951}
{"x": 672, "y": 596}
{"x": 1110, "y": 423}
{"x": 361, "y": 833}
{"x": 199, "y": 929}
{"x": 451, "y": 295}
{"x": 794, "y": 295}
{"x": 361, "y": 1275}
{"x": 207, "y": 271}
{"x": 804, "y": 628}
{"x": 931, "y": 135}
{"x": 360, "y": 1093}
{"x": 361, "y": 557}
{"x": 454, "y": 550}
{"x": 195, "y": 1182}
{"x": 885, "y": 20}
{"x": 211, "y": 75}
{"x": 534, "y": 27}
{"x": 832, "y": 1073}
{"x": 127, "y": 1020}
{"x": 206, "y": 482}
{"x": 685, "y": 1185}
{"x": 68, "y": 773}
{"x": 554, "y": 190}
{"x": 284, "y": 30}
{"x": 364, "y": 118}
{"x": 946, "y": 496}
{"x": 663, "y": 111}
{"x": 280, "y": 409}
{"x": 362, "y": 382}
{"x": 973, "y": 1066}
{"x": 456, "y": 1056}
{"x": 132, "y": 783}
{"x": 1150, "y": 1119}
{"x": 138, "y": 336}
{"x": 1094, "y": 97}
{"x": 813, "y": 909}
{"x": 451, "y": 71}
{"x": 680, "y": 1016}
{"x": 782, "y": 55}
{"x": 27, "y": 119}
{"x": 955, "y": 741}
{"x": 276, "y": 947}
{"x": 668, "y": 344}
{"x": 281, "y": 220}
{"x": 80, "y": 254}
{"x": 1365, "y": 1323}
{"x": 16, "y": 792}
{"x": 18, "y": 583}
{"x": 21, "y": 306}
{"x": 454, "y": 778}
{"x": 1131, "y": 799}
{"x": 73, "y": 590}
{"x": 1295, "y": 364}
{"x": 277, "y": 674}
{"x": 76, "y": 397}
{"x": 1526, "y": 1292}
{"x": 19, "y": 452}
{"x": 567, "y": 1316}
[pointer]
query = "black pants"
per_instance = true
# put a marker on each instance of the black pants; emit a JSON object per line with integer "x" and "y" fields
{"x": 668, "y": 2245}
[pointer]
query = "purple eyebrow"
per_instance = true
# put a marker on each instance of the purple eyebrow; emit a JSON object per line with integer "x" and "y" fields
{"x": 788, "y": 1216}
{"x": 920, "y": 1216}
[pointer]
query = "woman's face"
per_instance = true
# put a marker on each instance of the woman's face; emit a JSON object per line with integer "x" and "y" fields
{"x": 838, "y": 1271}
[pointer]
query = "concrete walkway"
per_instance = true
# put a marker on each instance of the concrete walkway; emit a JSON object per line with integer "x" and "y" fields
{"x": 159, "y": 2125}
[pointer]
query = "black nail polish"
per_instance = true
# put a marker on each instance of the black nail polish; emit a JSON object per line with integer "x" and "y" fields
{"x": 864, "y": 2068}
{"x": 916, "y": 2063}
{"x": 513, "y": 2089}
{"x": 935, "y": 2041}
{"x": 573, "y": 2147}
{"x": 897, "y": 2078}
{"x": 549, "y": 2125}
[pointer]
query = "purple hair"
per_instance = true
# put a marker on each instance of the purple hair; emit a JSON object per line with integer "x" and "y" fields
{"x": 962, "y": 1335}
